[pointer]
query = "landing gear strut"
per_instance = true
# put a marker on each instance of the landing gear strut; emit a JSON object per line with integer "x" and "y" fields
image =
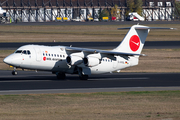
{"x": 81, "y": 75}
{"x": 61, "y": 75}
{"x": 14, "y": 72}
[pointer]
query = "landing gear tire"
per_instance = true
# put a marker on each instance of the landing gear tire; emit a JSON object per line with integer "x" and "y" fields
{"x": 83, "y": 77}
{"x": 61, "y": 76}
{"x": 14, "y": 72}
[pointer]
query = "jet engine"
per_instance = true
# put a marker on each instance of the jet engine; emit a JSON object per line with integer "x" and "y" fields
{"x": 91, "y": 61}
{"x": 74, "y": 60}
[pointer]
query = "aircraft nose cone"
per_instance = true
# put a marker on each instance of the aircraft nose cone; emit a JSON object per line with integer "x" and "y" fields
{"x": 7, "y": 60}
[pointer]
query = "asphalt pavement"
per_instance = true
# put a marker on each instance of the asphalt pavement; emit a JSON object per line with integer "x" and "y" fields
{"x": 96, "y": 23}
{"x": 45, "y": 82}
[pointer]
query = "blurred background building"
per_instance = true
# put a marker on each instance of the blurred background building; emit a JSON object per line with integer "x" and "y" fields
{"x": 82, "y": 10}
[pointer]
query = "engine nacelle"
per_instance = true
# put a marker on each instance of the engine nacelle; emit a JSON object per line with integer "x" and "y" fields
{"x": 91, "y": 61}
{"x": 74, "y": 60}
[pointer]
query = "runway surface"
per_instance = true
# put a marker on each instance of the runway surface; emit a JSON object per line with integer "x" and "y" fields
{"x": 95, "y": 23}
{"x": 44, "y": 82}
{"x": 96, "y": 45}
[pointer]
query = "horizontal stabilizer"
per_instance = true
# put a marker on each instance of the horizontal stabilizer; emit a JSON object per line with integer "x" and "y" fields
{"x": 145, "y": 28}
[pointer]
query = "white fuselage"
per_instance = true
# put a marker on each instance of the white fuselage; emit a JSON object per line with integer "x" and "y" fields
{"x": 47, "y": 58}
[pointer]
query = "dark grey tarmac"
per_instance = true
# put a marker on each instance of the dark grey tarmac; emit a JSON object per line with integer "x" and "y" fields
{"x": 44, "y": 82}
{"x": 95, "y": 23}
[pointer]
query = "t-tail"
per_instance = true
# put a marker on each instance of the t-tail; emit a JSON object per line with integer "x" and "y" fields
{"x": 134, "y": 40}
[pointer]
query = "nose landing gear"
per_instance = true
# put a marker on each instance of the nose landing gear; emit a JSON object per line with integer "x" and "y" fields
{"x": 14, "y": 72}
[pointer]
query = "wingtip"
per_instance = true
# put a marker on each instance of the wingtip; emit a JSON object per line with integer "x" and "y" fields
{"x": 143, "y": 55}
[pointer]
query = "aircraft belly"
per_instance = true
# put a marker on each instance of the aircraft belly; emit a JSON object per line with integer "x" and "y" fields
{"x": 109, "y": 67}
{"x": 102, "y": 68}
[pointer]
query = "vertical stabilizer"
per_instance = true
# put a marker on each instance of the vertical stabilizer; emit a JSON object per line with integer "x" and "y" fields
{"x": 134, "y": 40}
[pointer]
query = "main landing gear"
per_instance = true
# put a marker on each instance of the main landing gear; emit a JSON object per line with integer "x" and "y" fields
{"x": 61, "y": 75}
{"x": 14, "y": 72}
{"x": 81, "y": 75}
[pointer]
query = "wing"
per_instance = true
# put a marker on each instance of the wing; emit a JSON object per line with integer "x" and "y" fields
{"x": 92, "y": 51}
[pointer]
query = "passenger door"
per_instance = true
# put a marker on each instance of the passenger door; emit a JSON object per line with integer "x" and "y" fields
{"x": 38, "y": 54}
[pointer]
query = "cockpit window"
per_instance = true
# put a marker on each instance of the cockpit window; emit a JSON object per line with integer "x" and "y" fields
{"x": 18, "y": 51}
{"x": 27, "y": 52}
{"x": 24, "y": 52}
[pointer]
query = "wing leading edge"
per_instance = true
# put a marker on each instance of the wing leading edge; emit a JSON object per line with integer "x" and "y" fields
{"x": 92, "y": 51}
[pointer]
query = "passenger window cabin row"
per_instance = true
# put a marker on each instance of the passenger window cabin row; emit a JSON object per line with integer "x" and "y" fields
{"x": 107, "y": 60}
{"x": 53, "y": 55}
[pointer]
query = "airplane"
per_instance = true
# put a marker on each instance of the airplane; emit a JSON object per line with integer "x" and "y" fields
{"x": 2, "y": 11}
{"x": 62, "y": 60}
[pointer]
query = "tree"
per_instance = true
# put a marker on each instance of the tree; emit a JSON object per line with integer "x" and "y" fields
{"x": 177, "y": 9}
{"x": 134, "y": 6}
{"x": 130, "y": 6}
{"x": 115, "y": 12}
{"x": 138, "y": 6}
{"x": 103, "y": 13}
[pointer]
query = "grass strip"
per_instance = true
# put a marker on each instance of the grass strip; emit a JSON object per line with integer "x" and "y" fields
{"x": 75, "y": 33}
{"x": 105, "y": 105}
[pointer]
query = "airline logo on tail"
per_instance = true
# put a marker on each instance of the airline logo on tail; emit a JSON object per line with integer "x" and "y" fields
{"x": 134, "y": 43}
